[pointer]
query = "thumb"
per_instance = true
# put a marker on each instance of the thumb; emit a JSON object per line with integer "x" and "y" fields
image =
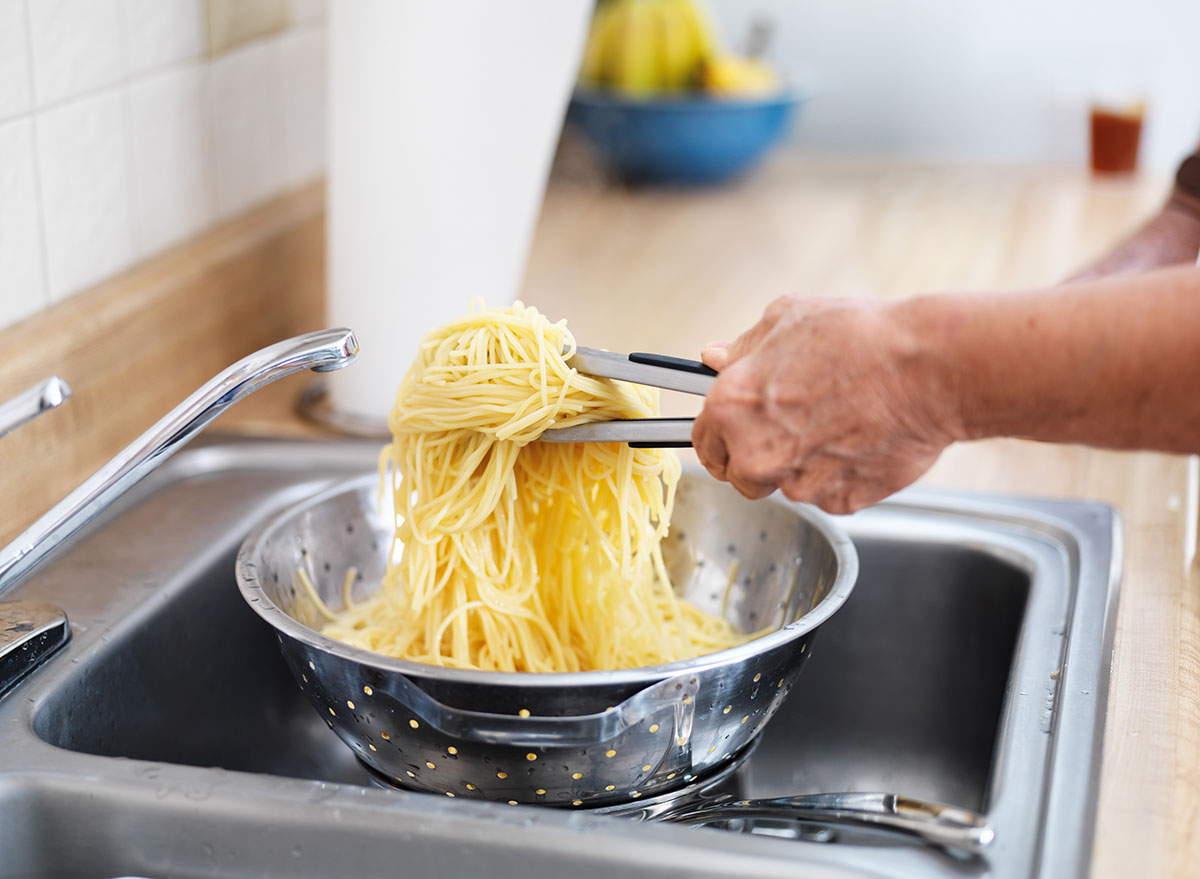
{"x": 715, "y": 355}
{"x": 719, "y": 355}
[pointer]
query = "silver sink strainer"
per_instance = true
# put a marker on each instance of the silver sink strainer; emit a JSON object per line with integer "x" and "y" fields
{"x": 577, "y": 739}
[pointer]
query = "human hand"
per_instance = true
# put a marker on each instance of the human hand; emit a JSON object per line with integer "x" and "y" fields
{"x": 833, "y": 401}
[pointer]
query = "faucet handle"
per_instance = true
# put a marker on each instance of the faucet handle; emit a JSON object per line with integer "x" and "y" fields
{"x": 29, "y": 404}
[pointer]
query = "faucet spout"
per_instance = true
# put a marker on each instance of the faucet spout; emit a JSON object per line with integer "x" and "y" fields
{"x": 323, "y": 351}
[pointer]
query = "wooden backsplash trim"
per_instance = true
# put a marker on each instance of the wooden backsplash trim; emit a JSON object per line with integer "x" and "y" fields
{"x": 135, "y": 346}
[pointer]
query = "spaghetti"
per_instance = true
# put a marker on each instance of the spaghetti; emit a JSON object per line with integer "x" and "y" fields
{"x": 515, "y": 555}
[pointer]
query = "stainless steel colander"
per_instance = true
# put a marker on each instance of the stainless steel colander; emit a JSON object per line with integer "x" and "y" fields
{"x": 577, "y": 739}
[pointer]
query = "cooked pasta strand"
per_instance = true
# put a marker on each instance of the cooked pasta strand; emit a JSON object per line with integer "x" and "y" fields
{"x": 518, "y": 555}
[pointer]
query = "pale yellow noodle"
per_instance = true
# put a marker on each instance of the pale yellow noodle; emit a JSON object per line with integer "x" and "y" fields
{"x": 519, "y": 555}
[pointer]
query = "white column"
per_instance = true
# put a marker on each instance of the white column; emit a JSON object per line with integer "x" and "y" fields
{"x": 443, "y": 119}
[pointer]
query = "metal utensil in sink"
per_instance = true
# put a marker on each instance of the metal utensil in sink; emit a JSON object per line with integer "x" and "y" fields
{"x": 585, "y": 738}
{"x": 718, "y": 800}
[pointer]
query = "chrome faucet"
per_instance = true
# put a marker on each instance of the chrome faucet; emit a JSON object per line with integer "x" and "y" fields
{"x": 322, "y": 351}
{"x": 28, "y": 405}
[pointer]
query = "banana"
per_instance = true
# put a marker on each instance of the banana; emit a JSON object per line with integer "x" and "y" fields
{"x": 679, "y": 57}
{"x": 641, "y": 48}
{"x": 699, "y": 30}
{"x": 733, "y": 76}
{"x": 633, "y": 66}
{"x": 600, "y": 36}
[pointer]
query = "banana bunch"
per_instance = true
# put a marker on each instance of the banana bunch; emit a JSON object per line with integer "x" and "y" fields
{"x": 642, "y": 48}
{"x": 734, "y": 76}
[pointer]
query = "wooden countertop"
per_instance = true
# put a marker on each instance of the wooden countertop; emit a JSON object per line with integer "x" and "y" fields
{"x": 669, "y": 270}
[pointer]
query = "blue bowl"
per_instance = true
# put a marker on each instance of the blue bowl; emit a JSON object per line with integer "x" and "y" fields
{"x": 687, "y": 140}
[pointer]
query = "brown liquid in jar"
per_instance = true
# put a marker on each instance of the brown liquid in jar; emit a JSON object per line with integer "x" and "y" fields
{"x": 1115, "y": 135}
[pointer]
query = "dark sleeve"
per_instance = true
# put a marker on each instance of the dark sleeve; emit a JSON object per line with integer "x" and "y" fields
{"x": 1187, "y": 178}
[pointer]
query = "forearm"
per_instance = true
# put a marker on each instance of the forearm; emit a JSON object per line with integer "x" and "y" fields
{"x": 1170, "y": 237}
{"x": 1112, "y": 362}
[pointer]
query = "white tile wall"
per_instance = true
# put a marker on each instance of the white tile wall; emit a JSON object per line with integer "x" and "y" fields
{"x": 246, "y": 125}
{"x": 172, "y": 176}
{"x": 77, "y": 47}
{"x": 83, "y": 156}
{"x": 161, "y": 32}
{"x": 120, "y": 137}
{"x": 15, "y": 91}
{"x": 303, "y": 68}
{"x": 22, "y": 286}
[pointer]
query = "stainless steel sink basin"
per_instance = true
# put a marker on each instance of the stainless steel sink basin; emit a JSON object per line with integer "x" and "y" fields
{"x": 167, "y": 738}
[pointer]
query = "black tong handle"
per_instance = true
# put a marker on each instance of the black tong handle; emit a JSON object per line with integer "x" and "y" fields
{"x": 668, "y": 362}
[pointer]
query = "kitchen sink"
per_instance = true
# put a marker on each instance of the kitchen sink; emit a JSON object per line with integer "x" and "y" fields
{"x": 167, "y": 739}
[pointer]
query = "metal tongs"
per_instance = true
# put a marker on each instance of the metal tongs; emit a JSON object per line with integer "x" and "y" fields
{"x": 655, "y": 370}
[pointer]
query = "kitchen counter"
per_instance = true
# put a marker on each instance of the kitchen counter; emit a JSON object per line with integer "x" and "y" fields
{"x": 670, "y": 270}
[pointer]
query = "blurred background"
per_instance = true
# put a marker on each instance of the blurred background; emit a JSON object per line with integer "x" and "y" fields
{"x": 183, "y": 182}
{"x": 127, "y": 126}
{"x": 981, "y": 81}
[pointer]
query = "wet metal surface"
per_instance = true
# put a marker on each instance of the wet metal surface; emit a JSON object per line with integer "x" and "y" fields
{"x": 969, "y": 667}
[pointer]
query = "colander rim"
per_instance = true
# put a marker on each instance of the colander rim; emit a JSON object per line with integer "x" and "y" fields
{"x": 246, "y": 572}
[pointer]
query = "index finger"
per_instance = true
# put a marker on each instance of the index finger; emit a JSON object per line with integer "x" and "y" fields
{"x": 710, "y": 446}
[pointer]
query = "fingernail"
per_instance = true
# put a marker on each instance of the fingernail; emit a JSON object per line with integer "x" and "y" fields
{"x": 718, "y": 345}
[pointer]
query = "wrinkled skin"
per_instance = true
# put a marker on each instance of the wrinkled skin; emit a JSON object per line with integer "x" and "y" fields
{"x": 831, "y": 401}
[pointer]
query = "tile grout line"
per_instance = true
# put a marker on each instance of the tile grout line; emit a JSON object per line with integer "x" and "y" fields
{"x": 122, "y": 89}
{"x": 209, "y": 146}
{"x": 201, "y": 59}
{"x": 133, "y": 183}
{"x": 39, "y": 197}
